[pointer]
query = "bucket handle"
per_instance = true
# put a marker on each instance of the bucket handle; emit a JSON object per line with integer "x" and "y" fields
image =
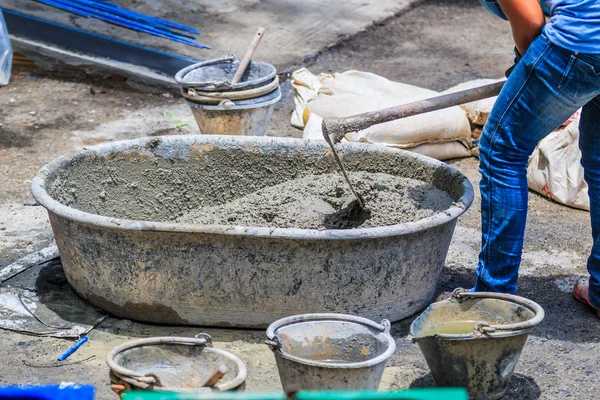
{"x": 180, "y": 75}
{"x": 485, "y": 327}
{"x": 275, "y": 344}
{"x": 201, "y": 339}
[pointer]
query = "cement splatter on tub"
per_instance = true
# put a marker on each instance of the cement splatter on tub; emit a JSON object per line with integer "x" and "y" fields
{"x": 322, "y": 202}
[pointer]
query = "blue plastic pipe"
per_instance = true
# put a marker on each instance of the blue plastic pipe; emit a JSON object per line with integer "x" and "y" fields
{"x": 136, "y": 15}
{"x": 141, "y": 23}
{"x": 73, "y": 349}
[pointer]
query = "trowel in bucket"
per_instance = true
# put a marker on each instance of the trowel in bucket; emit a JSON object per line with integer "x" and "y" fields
{"x": 334, "y": 129}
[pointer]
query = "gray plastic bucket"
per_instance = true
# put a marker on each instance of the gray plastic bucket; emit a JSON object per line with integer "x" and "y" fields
{"x": 474, "y": 340}
{"x": 330, "y": 351}
{"x": 242, "y": 118}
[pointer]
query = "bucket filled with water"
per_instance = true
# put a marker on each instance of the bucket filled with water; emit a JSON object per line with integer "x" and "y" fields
{"x": 474, "y": 340}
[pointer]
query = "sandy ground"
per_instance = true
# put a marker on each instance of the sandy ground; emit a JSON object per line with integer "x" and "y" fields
{"x": 436, "y": 44}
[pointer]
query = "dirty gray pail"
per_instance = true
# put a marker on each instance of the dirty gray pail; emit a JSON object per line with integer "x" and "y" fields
{"x": 174, "y": 364}
{"x": 330, "y": 351}
{"x": 216, "y": 75}
{"x": 241, "y": 118}
{"x": 221, "y": 107}
{"x": 474, "y": 340}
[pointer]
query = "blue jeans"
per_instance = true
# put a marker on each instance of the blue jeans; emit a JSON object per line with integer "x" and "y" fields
{"x": 546, "y": 87}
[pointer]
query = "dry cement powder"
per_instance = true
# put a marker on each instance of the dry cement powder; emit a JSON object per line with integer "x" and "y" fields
{"x": 325, "y": 202}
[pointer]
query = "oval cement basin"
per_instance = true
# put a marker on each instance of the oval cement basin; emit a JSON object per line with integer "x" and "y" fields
{"x": 110, "y": 207}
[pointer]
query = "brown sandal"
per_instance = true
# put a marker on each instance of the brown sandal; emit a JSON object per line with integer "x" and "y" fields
{"x": 581, "y": 293}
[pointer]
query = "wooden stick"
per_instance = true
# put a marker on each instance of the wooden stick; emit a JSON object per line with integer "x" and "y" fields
{"x": 216, "y": 377}
{"x": 246, "y": 59}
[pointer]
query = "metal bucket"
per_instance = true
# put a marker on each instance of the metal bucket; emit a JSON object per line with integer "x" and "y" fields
{"x": 474, "y": 340}
{"x": 223, "y": 108}
{"x": 216, "y": 75}
{"x": 202, "y": 97}
{"x": 248, "y": 117}
{"x": 174, "y": 364}
{"x": 330, "y": 351}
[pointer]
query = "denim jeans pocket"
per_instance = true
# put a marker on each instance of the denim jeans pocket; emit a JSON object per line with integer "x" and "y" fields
{"x": 581, "y": 80}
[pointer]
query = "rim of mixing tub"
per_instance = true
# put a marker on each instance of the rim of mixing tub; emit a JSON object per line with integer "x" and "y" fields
{"x": 39, "y": 192}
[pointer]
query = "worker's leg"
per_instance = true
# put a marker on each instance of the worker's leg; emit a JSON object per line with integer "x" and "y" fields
{"x": 540, "y": 94}
{"x": 589, "y": 142}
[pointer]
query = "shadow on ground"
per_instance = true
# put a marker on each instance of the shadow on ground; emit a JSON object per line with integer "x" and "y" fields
{"x": 520, "y": 387}
{"x": 566, "y": 319}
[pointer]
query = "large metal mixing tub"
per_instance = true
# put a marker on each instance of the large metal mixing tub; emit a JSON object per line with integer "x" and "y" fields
{"x": 110, "y": 206}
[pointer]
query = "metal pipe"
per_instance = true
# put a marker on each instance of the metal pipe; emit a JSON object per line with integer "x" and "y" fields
{"x": 337, "y": 128}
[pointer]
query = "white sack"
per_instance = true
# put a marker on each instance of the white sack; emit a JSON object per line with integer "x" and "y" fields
{"x": 442, "y": 134}
{"x": 439, "y": 151}
{"x": 477, "y": 111}
{"x": 555, "y": 170}
{"x": 306, "y": 88}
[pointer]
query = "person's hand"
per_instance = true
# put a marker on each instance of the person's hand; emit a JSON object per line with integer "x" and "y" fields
{"x": 515, "y": 62}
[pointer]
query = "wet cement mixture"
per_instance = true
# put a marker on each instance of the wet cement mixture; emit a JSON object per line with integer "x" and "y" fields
{"x": 326, "y": 202}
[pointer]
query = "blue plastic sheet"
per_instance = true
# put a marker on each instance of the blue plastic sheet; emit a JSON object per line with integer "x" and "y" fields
{"x": 62, "y": 392}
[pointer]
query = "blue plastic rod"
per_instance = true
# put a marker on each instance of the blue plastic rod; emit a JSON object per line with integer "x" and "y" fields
{"x": 73, "y": 349}
{"x": 136, "y": 15}
{"x": 88, "y": 11}
{"x": 79, "y": 8}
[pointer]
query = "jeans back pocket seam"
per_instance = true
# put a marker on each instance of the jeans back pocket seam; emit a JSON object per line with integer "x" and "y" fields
{"x": 585, "y": 60}
{"x": 565, "y": 77}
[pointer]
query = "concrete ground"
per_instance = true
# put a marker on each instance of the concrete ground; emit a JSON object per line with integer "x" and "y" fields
{"x": 435, "y": 44}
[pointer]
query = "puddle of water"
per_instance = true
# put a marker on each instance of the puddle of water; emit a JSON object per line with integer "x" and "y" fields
{"x": 448, "y": 328}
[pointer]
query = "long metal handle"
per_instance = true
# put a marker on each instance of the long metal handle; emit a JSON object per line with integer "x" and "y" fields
{"x": 180, "y": 75}
{"x": 273, "y": 340}
{"x": 337, "y": 128}
{"x": 149, "y": 379}
{"x": 530, "y": 305}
